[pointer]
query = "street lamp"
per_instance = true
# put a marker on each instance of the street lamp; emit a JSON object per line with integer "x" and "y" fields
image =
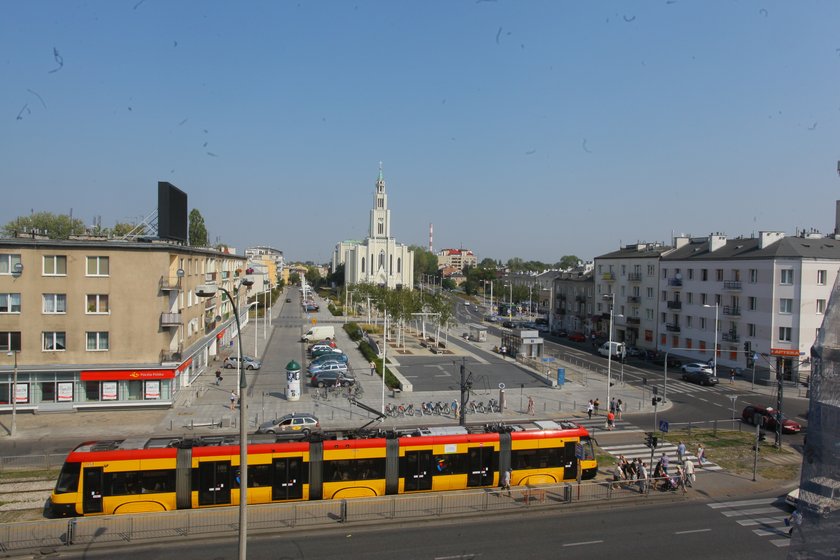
{"x": 717, "y": 307}
{"x": 611, "y": 297}
{"x": 13, "y": 430}
{"x": 209, "y": 290}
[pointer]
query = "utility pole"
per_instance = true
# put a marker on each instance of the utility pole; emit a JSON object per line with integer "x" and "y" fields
{"x": 465, "y": 394}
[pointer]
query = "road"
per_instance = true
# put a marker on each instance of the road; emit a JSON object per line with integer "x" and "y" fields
{"x": 687, "y": 531}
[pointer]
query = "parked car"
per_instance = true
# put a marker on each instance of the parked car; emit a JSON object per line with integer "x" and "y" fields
{"x": 635, "y": 352}
{"x": 561, "y": 333}
{"x": 247, "y": 362}
{"x": 330, "y": 378}
{"x": 331, "y": 365}
{"x": 322, "y": 350}
{"x": 331, "y": 357}
{"x": 697, "y": 367}
{"x": 820, "y": 495}
{"x": 658, "y": 358}
{"x": 700, "y": 377}
{"x": 577, "y": 337}
{"x": 508, "y": 324}
{"x": 767, "y": 419}
{"x": 288, "y": 300}
{"x": 294, "y": 423}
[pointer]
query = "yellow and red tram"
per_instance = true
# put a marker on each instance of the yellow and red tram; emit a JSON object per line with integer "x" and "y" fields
{"x": 168, "y": 473}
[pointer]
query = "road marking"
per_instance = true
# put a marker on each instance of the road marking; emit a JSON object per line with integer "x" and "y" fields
{"x": 750, "y": 511}
{"x": 758, "y": 502}
{"x": 692, "y": 531}
{"x": 582, "y": 543}
{"x": 464, "y": 556}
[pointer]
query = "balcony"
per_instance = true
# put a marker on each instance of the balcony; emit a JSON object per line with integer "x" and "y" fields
{"x": 171, "y": 355}
{"x": 209, "y": 304}
{"x": 731, "y": 310}
{"x": 672, "y": 327}
{"x": 210, "y": 277}
{"x": 677, "y": 282}
{"x": 169, "y": 284}
{"x": 608, "y": 276}
{"x": 634, "y": 299}
{"x": 170, "y": 319}
{"x": 580, "y": 299}
{"x": 674, "y": 305}
{"x": 634, "y": 277}
{"x": 732, "y": 285}
{"x": 634, "y": 321}
{"x": 730, "y": 336}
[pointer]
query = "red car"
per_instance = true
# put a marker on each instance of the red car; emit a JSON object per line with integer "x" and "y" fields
{"x": 577, "y": 337}
{"x": 768, "y": 419}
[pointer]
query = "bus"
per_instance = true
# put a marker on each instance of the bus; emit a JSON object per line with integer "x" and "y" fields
{"x": 140, "y": 475}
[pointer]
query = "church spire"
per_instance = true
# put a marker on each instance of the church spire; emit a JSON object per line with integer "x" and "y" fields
{"x": 380, "y": 178}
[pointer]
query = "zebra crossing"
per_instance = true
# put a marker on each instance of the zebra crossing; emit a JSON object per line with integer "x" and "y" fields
{"x": 765, "y": 517}
{"x": 599, "y": 423}
{"x": 641, "y": 451}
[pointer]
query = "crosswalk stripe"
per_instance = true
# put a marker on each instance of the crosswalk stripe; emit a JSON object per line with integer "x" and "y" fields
{"x": 740, "y": 512}
{"x": 755, "y": 513}
{"x": 641, "y": 451}
{"x": 740, "y": 503}
{"x": 762, "y": 521}
{"x": 781, "y": 543}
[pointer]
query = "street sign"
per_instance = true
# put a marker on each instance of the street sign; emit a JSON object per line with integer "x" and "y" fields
{"x": 784, "y": 352}
{"x": 663, "y": 426}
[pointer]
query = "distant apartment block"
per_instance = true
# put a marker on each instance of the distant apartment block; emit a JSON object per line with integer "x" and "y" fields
{"x": 456, "y": 258}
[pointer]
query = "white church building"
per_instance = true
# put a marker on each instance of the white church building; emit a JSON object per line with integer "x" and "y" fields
{"x": 379, "y": 259}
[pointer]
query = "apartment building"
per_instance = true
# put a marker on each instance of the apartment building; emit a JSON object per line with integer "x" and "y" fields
{"x": 572, "y": 306}
{"x": 456, "y": 258}
{"x": 96, "y": 323}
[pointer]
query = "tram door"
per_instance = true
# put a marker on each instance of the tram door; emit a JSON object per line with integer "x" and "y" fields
{"x": 480, "y": 466}
{"x": 92, "y": 500}
{"x": 418, "y": 470}
{"x": 288, "y": 479}
{"x": 214, "y": 481}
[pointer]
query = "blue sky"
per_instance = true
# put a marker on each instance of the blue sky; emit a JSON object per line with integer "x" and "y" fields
{"x": 519, "y": 129}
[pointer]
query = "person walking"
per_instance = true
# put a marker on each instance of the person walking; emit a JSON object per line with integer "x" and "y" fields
{"x": 701, "y": 455}
{"x": 589, "y": 408}
{"x": 642, "y": 477}
{"x": 232, "y": 400}
{"x": 531, "y": 409}
{"x": 619, "y": 408}
{"x": 596, "y": 405}
{"x": 688, "y": 468}
{"x": 612, "y": 405}
{"x": 506, "y": 481}
{"x": 681, "y": 480}
{"x": 218, "y": 377}
{"x": 610, "y": 420}
{"x": 794, "y": 521}
{"x": 681, "y": 453}
{"x": 731, "y": 376}
{"x": 372, "y": 369}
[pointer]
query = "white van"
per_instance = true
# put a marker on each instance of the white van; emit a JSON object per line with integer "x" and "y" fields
{"x": 617, "y": 349}
{"x": 319, "y": 332}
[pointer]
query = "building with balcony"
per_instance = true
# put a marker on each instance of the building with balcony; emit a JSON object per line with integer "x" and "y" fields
{"x": 456, "y": 258}
{"x": 109, "y": 323}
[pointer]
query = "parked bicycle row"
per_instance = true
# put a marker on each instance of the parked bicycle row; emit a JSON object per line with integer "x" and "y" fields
{"x": 441, "y": 408}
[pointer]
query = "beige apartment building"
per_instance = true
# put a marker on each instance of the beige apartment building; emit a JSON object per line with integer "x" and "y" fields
{"x": 94, "y": 323}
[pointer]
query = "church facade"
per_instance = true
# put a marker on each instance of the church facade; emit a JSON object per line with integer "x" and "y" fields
{"x": 379, "y": 259}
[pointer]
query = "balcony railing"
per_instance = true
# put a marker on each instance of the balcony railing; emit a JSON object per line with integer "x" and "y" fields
{"x": 634, "y": 277}
{"x": 730, "y": 337}
{"x": 171, "y": 355}
{"x": 168, "y": 284}
{"x": 672, "y": 327}
{"x": 634, "y": 299}
{"x": 674, "y": 305}
{"x": 170, "y": 319}
{"x": 633, "y": 320}
{"x": 608, "y": 276}
{"x": 731, "y": 285}
{"x": 731, "y": 310}
{"x": 675, "y": 282}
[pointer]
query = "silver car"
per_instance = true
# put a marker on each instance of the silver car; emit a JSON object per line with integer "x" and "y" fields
{"x": 290, "y": 424}
{"x": 333, "y": 365}
{"x": 247, "y": 362}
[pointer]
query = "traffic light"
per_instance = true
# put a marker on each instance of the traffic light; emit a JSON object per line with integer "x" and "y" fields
{"x": 654, "y": 441}
{"x": 650, "y": 440}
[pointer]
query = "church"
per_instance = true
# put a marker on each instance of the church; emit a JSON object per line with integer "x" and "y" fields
{"x": 379, "y": 259}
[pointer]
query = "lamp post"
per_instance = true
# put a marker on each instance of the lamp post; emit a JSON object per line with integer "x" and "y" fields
{"x": 209, "y": 290}
{"x": 717, "y": 307}
{"x": 13, "y": 395}
{"x": 611, "y": 297}
{"x": 256, "y": 326}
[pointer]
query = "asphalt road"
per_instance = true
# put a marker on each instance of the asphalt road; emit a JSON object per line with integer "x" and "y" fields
{"x": 687, "y": 531}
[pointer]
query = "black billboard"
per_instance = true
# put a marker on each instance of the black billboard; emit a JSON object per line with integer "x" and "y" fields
{"x": 172, "y": 212}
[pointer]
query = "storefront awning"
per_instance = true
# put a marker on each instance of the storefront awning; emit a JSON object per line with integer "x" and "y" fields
{"x": 127, "y": 374}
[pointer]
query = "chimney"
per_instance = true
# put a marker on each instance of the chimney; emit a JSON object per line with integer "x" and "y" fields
{"x": 837, "y": 211}
{"x": 767, "y": 238}
{"x": 716, "y": 241}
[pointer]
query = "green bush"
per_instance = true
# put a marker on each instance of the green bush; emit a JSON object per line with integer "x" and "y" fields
{"x": 370, "y": 356}
{"x": 353, "y": 330}
{"x": 334, "y": 310}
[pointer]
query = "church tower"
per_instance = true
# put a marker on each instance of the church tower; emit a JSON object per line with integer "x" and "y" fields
{"x": 380, "y": 216}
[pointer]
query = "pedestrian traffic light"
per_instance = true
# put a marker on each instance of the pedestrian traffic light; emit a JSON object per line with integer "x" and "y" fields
{"x": 648, "y": 439}
{"x": 653, "y": 441}
{"x": 747, "y": 346}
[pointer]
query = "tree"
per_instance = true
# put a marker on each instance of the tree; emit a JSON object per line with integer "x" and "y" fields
{"x": 54, "y": 226}
{"x": 337, "y": 277}
{"x": 294, "y": 278}
{"x": 198, "y": 231}
{"x": 568, "y": 262}
{"x": 425, "y": 262}
{"x": 313, "y": 275}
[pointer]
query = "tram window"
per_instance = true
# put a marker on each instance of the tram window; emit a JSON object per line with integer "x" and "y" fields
{"x": 537, "y": 458}
{"x": 68, "y": 480}
{"x": 588, "y": 452}
{"x": 359, "y": 469}
{"x": 449, "y": 463}
{"x": 259, "y": 475}
{"x": 139, "y": 482}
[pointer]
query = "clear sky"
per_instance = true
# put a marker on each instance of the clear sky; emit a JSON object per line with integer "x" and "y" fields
{"x": 518, "y": 128}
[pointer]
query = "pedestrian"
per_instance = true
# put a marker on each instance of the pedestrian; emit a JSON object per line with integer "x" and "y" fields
{"x": 589, "y": 408}
{"x": 232, "y": 400}
{"x": 664, "y": 461}
{"x": 619, "y": 408}
{"x": 218, "y": 377}
{"x": 610, "y": 420}
{"x": 596, "y": 405}
{"x": 612, "y": 405}
{"x": 701, "y": 455}
{"x": 618, "y": 475}
{"x": 794, "y": 521}
{"x": 506, "y": 481}
{"x": 731, "y": 376}
{"x": 642, "y": 477}
{"x": 681, "y": 453}
{"x": 502, "y": 351}
{"x": 689, "y": 473}
{"x": 681, "y": 481}
{"x": 372, "y": 369}
{"x": 531, "y": 409}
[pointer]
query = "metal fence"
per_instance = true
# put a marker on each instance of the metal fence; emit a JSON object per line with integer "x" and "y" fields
{"x": 86, "y": 531}
{"x": 19, "y": 462}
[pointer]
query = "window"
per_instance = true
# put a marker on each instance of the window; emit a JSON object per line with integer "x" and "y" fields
{"x": 97, "y": 303}
{"x": 688, "y": 322}
{"x": 55, "y": 265}
{"x": 55, "y": 303}
{"x": 785, "y": 305}
{"x": 719, "y": 274}
{"x": 9, "y": 341}
{"x": 9, "y": 303}
{"x": 704, "y": 274}
{"x": 751, "y": 330}
{"x": 787, "y": 276}
{"x": 651, "y": 270}
{"x": 649, "y": 292}
{"x": 752, "y": 303}
{"x": 54, "y": 341}
{"x": 820, "y": 306}
{"x": 822, "y": 275}
{"x": 8, "y": 263}
{"x": 97, "y": 341}
{"x": 753, "y": 275}
{"x": 690, "y": 298}
{"x": 785, "y": 334}
{"x": 704, "y": 299}
{"x": 97, "y": 266}
{"x": 703, "y": 323}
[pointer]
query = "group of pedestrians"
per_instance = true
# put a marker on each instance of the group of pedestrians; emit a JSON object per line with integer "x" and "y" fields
{"x": 615, "y": 411}
{"x": 633, "y": 472}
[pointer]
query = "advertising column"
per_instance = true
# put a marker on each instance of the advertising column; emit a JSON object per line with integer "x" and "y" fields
{"x": 293, "y": 381}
